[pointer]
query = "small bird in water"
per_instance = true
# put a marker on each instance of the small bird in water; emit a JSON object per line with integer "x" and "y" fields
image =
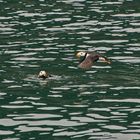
{"x": 43, "y": 74}
{"x": 88, "y": 58}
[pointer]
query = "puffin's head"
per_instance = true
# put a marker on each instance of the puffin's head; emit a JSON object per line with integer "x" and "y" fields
{"x": 81, "y": 54}
{"x": 43, "y": 74}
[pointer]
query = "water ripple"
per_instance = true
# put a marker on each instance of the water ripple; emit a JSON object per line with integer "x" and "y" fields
{"x": 24, "y": 129}
{"x": 36, "y": 116}
{"x": 100, "y": 103}
{"x": 2, "y": 132}
{"x": 123, "y": 100}
{"x": 114, "y": 127}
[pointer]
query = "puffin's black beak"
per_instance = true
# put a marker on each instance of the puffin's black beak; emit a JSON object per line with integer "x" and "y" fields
{"x": 104, "y": 59}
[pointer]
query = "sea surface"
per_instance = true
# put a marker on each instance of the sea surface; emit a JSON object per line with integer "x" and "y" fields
{"x": 102, "y": 103}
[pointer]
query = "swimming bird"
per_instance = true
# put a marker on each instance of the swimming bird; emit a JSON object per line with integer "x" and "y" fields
{"x": 43, "y": 74}
{"x": 87, "y": 59}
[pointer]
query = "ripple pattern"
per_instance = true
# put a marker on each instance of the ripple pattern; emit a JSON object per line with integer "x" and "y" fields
{"x": 101, "y": 103}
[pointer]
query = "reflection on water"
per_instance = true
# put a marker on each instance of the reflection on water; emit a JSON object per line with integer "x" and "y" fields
{"x": 101, "y": 103}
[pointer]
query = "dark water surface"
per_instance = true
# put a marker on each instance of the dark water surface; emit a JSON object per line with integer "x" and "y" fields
{"x": 97, "y": 104}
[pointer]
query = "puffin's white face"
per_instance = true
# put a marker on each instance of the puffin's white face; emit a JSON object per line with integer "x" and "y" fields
{"x": 79, "y": 54}
{"x": 42, "y": 74}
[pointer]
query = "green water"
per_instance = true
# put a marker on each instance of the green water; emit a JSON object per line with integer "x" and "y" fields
{"x": 97, "y": 104}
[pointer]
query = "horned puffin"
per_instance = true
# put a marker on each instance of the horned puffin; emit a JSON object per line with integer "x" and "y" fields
{"x": 87, "y": 59}
{"x": 43, "y": 74}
